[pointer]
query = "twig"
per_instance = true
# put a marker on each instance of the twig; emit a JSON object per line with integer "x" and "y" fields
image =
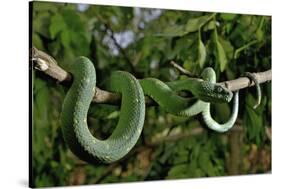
{"x": 237, "y": 51}
{"x": 118, "y": 45}
{"x": 181, "y": 69}
{"x": 110, "y": 32}
{"x": 47, "y": 64}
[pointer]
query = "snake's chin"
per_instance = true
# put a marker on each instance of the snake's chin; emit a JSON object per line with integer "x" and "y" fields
{"x": 224, "y": 97}
{"x": 229, "y": 96}
{"x": 227, "y": 99}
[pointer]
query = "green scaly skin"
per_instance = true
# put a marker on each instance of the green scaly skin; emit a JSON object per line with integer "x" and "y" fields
{"x": 205, "y": 90}
{"x": 74, "y": 114}
{"x": 164, "y": 94}
{"x": 166, "y": 97}
{"x": 77, "y": 101}
{"x": 212, "y": 124}
{"x": 210, "y": 75}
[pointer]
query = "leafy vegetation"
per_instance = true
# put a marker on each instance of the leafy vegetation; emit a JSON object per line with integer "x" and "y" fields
{"x": 143, "y": 42}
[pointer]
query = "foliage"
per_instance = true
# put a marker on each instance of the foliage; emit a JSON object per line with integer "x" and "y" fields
{"x": 143, "y": 42}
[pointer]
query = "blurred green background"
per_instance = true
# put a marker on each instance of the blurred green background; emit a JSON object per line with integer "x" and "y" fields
{"x": 143, "y": 42}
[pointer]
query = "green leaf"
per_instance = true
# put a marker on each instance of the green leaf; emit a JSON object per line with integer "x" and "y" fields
{"x": 177, "y": 171}
{"x": 113, "y": 115}
{"x": 228, "y": 16}
{"x": 192, "y": 25}
{"x": 41, "y": 99}
{"x": 210, "y": 26}
{"x": 65, "y": 38}
{"x": 44, "y": 6}
{"x": 73, "y": 21}
{"x": 80, "y": 43}
{"x": 173, "y": 31}
{"x": 41, "y": 24}
{"x": 222, "y": 111}
{"x": 254, "y": 119}
{"x": 228, "y": 48}
{"x": 221, "y": 56}
{"x": 37, "y": 42}
{"x": 201, "y": 54}
{"x": 195, "y": 152}
{"x": 260, "y": 35}
{"x": 57, "y": 25}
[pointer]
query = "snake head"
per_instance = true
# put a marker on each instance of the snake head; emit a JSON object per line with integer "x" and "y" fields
{"x": 212, "y": 92}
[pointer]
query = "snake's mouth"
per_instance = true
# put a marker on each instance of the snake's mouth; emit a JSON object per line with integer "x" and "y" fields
{"x": 227, "y": 98}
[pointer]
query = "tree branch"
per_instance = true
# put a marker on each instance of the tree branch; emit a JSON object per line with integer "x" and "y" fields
{"x": 244, "y": 82}
{"x": 181, "y": 69}
{"x": 45, "y": 63}
{"x": 49, "y": 66}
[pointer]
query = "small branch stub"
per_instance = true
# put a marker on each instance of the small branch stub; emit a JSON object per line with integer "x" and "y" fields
{"x": 181, "y": 69}
{"x": 49, "y": 65}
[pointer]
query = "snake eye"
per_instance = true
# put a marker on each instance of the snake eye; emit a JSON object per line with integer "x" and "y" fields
{"x": 219, "y": 89}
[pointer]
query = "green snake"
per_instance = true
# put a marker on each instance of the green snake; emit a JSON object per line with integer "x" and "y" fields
{"x": 132, "y": 111}
{"x": 75, "y": 107}
{"x": 209, "y": 121}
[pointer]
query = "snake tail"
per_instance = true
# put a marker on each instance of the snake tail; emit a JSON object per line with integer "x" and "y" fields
{"x": 75, "y": 108}
{"x": 212, "y": 124}
{"x": 252, "y": 77}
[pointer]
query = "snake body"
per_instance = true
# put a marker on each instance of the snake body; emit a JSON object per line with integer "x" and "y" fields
{"x": 74, "y": 114}
{"x": 166, "y": 97}
{"x": 212, "y": 124}
{"x": 132, "y": 112}
{"x": 210, "y": 75}
{"x": 164, "y": 94}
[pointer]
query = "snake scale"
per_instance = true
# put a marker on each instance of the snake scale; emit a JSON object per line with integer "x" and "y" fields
{"x": 132, "y": 111}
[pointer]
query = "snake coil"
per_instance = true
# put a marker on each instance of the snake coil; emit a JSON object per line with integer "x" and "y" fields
{"x": 132, "y": 112}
